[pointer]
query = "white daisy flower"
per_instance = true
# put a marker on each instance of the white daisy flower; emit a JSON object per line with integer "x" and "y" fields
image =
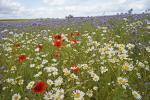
{"x": 123, "y": 82}
{"x": 136, "y": 95}
{"x": 127, "y": 67}
{"x": 66, "y": 71}
{"x": 59, "y": 95}
{"x": 95, "y": 88}
{"x": 48, "y": 96}
{"x": 78, "y": 95}
{"x": 50, "y": 82}
{"x": 103, "y": 69}
{"x": 44, "y": 61}
{"x": 58, "y": 81}
{"x": 30, "y": 85}
{"x": 16, "y": 97}
{"x": 32, "y": 65}
{"x": 89, "y": 93}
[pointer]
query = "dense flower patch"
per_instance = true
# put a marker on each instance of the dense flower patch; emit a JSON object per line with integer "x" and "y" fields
{"x": 90, "y": 65}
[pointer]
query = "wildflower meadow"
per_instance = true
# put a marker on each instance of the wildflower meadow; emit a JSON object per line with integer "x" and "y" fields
{"x": 75, "y": 61}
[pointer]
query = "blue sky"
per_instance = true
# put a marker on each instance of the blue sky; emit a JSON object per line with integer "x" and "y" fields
{"x": 62, "y": 8}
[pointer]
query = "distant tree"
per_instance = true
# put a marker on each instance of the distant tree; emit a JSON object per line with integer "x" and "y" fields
{"x": 121, "y": 13}
{"x": 117, "y": 13}
{"x": 69, "y": 16}
{"x": 147, "y": 11}
{"x": 130, "y": 11}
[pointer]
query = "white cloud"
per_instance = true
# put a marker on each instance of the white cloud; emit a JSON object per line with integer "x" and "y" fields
{"x": 62, "y": 8}
{"x": 54, "y": 2}
{"x": 8, "y": 6}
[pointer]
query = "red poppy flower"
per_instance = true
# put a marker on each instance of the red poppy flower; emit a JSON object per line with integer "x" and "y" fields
{"x": 39, "y": 87}
{"x": 75, "y": 69}
{"x": 72, "y": 35}
{"x": 73, "y": 41}
{"x": 22, "y": 58}
{"x": 57, "y": 37}
{"x": 78, "y": 34}
{"x": 57, "y": 44}
{"x": 39, "y": 46}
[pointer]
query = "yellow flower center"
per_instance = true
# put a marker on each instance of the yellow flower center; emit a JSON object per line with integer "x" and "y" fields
{"x": 126, "y": 67}
{"x": 58, "y": 98}
{"x": 16, "y": 98}
{"x": 77, "y": 95}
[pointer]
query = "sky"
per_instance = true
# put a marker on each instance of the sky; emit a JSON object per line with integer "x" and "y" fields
{"x": 62, "y": 8}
